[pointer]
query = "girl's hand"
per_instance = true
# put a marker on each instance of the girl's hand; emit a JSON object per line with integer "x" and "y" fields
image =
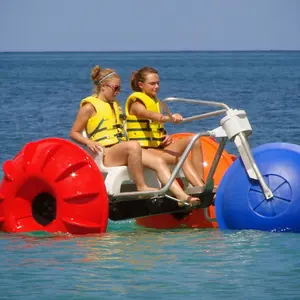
{"x": 94, "y": 146}
{"x": 167, "y": 140}
{"x": 177, "y": 118}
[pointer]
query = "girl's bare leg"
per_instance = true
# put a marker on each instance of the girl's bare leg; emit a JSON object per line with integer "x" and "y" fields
{"x": 172, "y": 153}
{"x": 163, "y": 172}
{"x": 197, "y": 159}
{"x": 130, "y": 154}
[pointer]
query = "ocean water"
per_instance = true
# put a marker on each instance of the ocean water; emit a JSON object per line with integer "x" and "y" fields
{"x": 40, "y": 95}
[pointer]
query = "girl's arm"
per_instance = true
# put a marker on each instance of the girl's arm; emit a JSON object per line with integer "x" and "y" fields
{"x": 79, "y": 124}
{"x": 138, "y": 109}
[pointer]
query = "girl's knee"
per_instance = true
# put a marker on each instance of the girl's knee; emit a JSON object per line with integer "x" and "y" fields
{"x": 188, "y": 139}
{"x": 160, "y": 161}
{"x": 134, "y": 146}
{"x": 198, "y": 143}
{"x": 185, "y": 141}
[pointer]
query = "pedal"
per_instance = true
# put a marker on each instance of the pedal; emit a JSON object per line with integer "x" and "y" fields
{"x": 206, "y": 200}
{"x": 183, "y": 203}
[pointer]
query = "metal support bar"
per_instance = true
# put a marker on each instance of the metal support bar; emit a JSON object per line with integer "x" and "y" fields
{"x": 209, "y": 180}
{"x": 250, "y": 164}
{"x": 207, "y": 217}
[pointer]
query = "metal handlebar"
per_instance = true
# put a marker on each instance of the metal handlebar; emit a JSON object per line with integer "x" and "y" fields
{"x": 200, "y": 102}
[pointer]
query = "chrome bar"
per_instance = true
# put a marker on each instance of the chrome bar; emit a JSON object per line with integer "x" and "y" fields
{"x": 205, "y": 115}
{"x": 209, "y": 180}
{"x": 247, "y": 157}
{"x": 202, "y": 102}
{"x": 207, "y": 217}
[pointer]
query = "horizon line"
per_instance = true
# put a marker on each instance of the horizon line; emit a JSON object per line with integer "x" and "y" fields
{"x": 154, "y": 51}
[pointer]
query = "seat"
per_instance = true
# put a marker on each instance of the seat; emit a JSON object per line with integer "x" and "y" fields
{"x": 118, "y": 179}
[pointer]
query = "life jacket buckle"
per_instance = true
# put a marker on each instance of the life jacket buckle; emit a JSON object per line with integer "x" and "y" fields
{"x": 117, "y": 126}
{"x": 119, "y": 135}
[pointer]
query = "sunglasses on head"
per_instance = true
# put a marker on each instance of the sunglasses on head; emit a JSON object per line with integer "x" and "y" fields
{"x": 114, "y": 87}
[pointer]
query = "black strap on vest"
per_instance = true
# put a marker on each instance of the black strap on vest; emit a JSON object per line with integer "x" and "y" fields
{"x": 96, "y": 129}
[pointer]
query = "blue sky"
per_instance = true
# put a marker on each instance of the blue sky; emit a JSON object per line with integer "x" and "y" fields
{"x": 122, "y": 25}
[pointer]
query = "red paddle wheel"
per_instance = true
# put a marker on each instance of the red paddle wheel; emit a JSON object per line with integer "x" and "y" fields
{"x": 55, "y": 186}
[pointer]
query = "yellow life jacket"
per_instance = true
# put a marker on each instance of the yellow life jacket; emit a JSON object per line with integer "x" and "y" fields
{"x": 148, "y": 133}
{"x": 105, "y": 126}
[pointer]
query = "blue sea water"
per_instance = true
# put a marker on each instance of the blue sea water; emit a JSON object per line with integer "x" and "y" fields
{"x": 40, "y": 95}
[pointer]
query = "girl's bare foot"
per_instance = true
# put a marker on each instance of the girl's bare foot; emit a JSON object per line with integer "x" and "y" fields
{"x": 190, "y": 200}
{"x": 146, "y": 189}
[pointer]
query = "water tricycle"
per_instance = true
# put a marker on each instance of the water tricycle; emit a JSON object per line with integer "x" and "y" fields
{"x": 54, "y": 185}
